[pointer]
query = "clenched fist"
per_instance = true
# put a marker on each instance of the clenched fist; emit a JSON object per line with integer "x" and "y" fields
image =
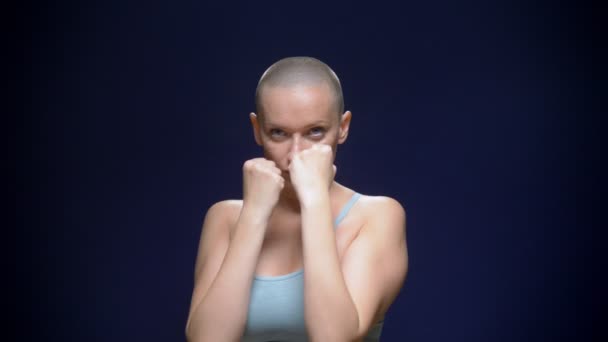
{"x": 262, "y": 185}
{"x": 312, "y": 171}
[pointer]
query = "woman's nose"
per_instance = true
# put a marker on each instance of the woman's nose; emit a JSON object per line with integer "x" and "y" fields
{"x": 296, "y": 146}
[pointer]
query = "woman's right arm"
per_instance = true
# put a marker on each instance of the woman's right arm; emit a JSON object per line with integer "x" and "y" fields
{"x": 226, "y": 262}
{"x": 224, "y": 272}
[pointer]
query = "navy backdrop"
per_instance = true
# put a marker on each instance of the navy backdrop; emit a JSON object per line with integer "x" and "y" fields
{"x": 463, "y": 111}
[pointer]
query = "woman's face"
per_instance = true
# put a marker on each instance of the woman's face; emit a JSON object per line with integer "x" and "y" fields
{"x": 294, "y": 119}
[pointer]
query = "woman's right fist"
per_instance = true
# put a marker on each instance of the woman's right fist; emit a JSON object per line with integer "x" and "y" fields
{"x": 262, "y": 185}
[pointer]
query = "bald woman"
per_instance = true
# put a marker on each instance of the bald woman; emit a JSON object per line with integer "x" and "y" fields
{"x": 300, "y": 257}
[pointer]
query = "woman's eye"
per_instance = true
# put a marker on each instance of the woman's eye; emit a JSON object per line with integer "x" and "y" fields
{"x": 317, "y": 131}
{"x": 277, "y": 132}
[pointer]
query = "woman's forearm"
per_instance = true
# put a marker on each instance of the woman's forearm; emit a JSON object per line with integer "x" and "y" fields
{"x": 222, "y": 313}
{"x": 330, "y": 312}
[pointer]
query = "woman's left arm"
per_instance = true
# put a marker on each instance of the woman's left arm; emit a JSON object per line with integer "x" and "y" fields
{"x": 343, "y": 298}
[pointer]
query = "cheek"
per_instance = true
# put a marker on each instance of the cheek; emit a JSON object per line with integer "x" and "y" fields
{"x": 332, "y": 136}
{"x": 268, "y": 153}
{"x": 333, "y": 143}
{"x": 274, "y": 153}
{"x": 331, "y": 140}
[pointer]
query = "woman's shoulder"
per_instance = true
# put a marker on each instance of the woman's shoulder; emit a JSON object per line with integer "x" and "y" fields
{"x": 381, "y": 208}
{"x": 227, "y": 205}
{"x": 378, "y": 202}
{"x": 373, "y": 203}
{"x": 225, "y": 210}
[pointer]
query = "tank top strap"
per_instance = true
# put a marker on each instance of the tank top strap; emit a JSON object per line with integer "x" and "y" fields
{"x": 346, "y": 208}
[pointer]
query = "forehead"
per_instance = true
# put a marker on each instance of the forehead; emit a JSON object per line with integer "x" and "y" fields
{"x": 298, "y": 103}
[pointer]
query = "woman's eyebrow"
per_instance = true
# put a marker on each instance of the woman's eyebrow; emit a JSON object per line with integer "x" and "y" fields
{"x": 318, "y": 123}
{"x": 313, "y": 124}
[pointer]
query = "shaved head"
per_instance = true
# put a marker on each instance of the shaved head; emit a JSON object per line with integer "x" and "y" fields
{"x": 300, "y": 71}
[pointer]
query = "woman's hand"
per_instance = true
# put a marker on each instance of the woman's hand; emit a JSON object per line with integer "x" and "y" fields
{"x": 262, "y": 185}
{"x": 312, "y": 172}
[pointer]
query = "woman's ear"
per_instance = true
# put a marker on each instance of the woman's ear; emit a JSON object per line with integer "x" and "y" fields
{"x": 256, "y": 128}
{"x": 344, "y": 126}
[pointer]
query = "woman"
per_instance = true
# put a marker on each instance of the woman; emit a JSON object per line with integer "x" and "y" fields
{"x": 300, "y": 257}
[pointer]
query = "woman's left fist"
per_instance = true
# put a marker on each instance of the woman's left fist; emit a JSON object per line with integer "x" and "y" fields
{"x": 311, "y": 171}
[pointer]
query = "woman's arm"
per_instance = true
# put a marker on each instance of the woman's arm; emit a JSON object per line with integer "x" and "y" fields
{"x": 224, "y": 273}
{"x": 226, "y": 262}
{"x": 343, "y": 299}
{"x": 330, "y": 312}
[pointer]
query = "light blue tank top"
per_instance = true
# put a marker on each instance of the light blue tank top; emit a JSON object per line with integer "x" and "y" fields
{"x": 276, "y": 305}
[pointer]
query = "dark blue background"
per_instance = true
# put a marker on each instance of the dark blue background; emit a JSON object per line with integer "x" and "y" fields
{"x": 471, "y": 114}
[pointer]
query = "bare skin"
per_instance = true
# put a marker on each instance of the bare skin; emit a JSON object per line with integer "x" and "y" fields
{"x": 282, "y": 249}
{"x": 290, "y": 199}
